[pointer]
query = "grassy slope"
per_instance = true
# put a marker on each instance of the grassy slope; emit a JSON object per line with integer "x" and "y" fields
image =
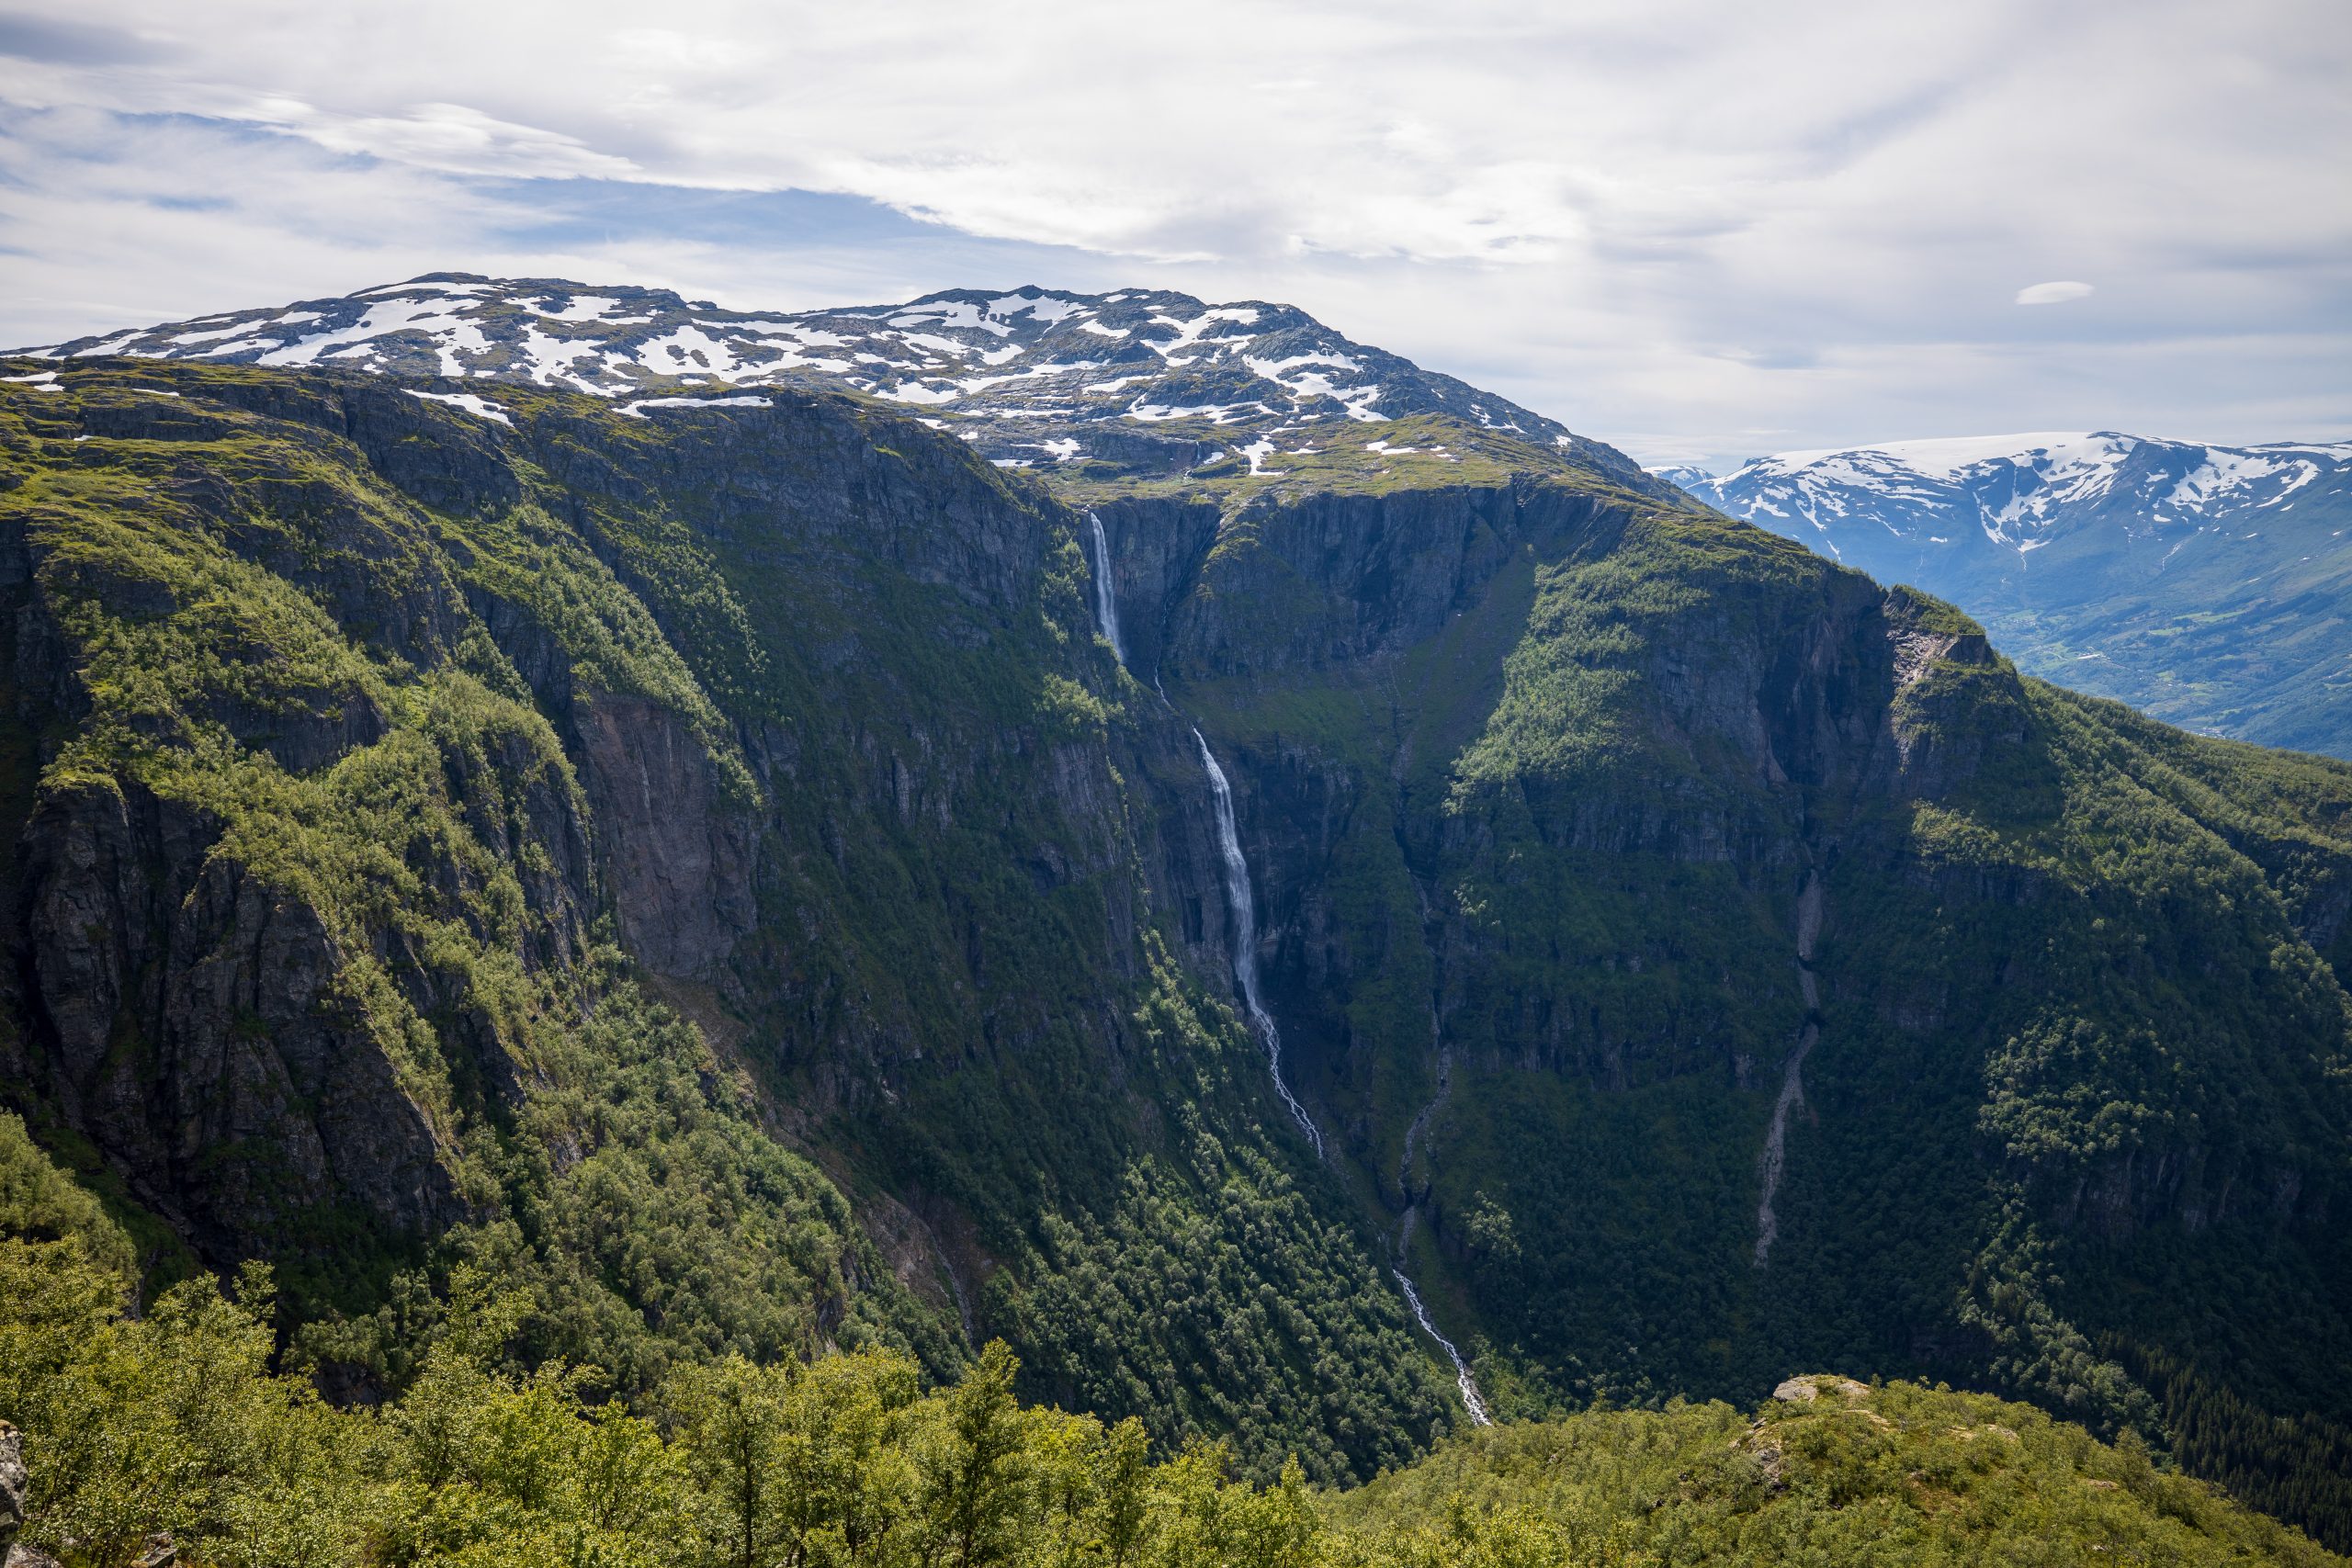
{"x": 1896, "y": 1474}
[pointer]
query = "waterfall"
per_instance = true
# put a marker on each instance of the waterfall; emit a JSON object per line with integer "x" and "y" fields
{"x": 1470, "y": 1399}
{"x": 1106, "y": 603}
{"x": 1243, "y": 902}
{"x": 1769, "y": 1164}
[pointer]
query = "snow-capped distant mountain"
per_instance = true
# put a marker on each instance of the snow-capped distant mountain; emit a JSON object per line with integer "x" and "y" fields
{"x": 1139, "y": 378}
{"x": 1682, "y": 474}
{"x": 2018, "y": 493}
{"x": 2210, "y": 584}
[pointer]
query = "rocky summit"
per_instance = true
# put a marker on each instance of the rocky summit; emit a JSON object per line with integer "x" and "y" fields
{"x": 1135, "y": 381}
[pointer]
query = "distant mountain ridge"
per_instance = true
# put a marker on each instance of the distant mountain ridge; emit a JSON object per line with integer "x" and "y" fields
{"x": 2205, "y": 584}
{"x": 1140, "y": 378}
{"x": 2020, "y": 490}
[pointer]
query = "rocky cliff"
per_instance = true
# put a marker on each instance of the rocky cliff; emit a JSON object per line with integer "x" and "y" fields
{"x": 1537, "y": 781}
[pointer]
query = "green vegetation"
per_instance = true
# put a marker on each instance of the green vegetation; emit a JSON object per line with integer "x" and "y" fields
{"x": 40, "y": 1202}
{"x": 1896, "y": 1473}
{"x": 354, "y": 672}
{"x": 630, "y": 1195}
{"x": 175, "y": 1423}
{"x": 2081, "y": 1067}
{"x": 2036, "y": 1088}
{"x": 703, "y": 873}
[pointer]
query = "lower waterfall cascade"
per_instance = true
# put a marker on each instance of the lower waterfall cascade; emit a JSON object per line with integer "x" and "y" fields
{"x": 1242, "y": 900}
{"x": 1472, "y": 1400}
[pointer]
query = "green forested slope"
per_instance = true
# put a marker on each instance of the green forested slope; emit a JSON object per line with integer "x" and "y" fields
{"x": 532, "y": 846}
{"x": 699, "y": 868}
{"x": 1838, "y": 1472}
{"x": 2072, "y": 1099}
{"x": 173, "y": 1424}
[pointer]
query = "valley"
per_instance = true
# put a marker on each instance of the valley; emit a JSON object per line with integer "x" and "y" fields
{"x": 1326, "y": 911}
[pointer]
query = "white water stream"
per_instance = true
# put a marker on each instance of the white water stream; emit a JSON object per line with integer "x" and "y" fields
{"x": 1106, "y": 603}
{"x": 1241, "y": 899}
{"x": 1772, "y": 1161}
{"x": 1471, "y": 1398}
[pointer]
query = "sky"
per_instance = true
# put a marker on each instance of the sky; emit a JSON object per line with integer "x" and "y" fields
{"x": 1701, "y": 231}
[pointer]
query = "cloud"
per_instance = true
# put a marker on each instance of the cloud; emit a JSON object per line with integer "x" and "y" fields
{"x": 1639, "y": 221}
{"x": 2056, "y": 293}
{"x": 453, "y": 139}
{"x": 66, "y": 41}
{"x": 111, "y": 222}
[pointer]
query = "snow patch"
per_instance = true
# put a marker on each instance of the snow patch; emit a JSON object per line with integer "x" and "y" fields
{"x": 481, "y": 407}
{"x": 582, "y": 308}
{"x": 1045, "y": 309}
{"x": 633, "y": 409}
{"x": 916, "y": 393}
{"x": 429, "y": 316}
{"x": 1216, "y": 414}
{"x": 687, "y": 350}
{"x": 110, "y": 344}
{"x": 950, "y": 313}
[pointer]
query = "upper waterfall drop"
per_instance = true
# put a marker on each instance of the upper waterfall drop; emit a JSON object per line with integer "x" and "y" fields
{"x": 1106, "y": 603}
{"x": 1242, "y": 900}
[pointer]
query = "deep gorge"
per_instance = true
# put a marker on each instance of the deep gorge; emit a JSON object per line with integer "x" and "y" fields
{"x": 760, "y": 879}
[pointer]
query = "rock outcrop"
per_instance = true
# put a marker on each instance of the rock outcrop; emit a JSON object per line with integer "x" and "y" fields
{"x": 15, "y": 1487}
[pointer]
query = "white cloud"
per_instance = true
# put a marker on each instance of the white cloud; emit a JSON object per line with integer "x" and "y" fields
{"x": 1678, "y": 221}
{"x": 453, "y": 139}
{"x": 2054, "y": 293}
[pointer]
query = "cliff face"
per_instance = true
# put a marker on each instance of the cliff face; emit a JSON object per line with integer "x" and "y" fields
{"x": 1532, "y": 817}
{"x": 186, "y": 1017}
{"x": 203, "y": 1021}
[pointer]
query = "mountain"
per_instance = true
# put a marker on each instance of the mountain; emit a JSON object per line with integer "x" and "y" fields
{"x": 2207, "y": 585}
{"x": 742, "y": 870}
{"x": 1134, "y": 382}
{"x": 684, "y": 868}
